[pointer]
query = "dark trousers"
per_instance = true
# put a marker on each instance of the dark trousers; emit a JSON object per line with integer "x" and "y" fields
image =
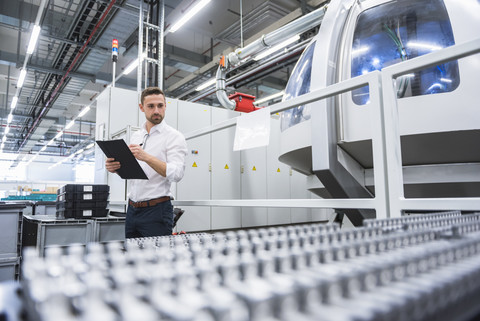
{"x": 149, "y": 221}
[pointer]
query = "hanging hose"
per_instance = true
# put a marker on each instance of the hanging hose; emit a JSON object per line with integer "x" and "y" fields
{"x": 221, "y": 90}
{"x": 402, "y": 87}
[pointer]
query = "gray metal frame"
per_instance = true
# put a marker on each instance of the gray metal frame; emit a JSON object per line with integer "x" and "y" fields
{"x": 107, "y": 229}
{"x": 389, "y": 198}
{"x": 60, "y": 232}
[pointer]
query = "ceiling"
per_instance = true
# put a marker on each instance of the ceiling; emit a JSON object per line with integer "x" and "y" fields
{"x": 71, "y": 64}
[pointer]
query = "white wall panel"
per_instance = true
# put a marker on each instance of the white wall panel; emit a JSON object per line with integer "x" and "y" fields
{"x": 278, "y": 180}
{"x": 171, "y": 113}
{"x": 225, "y": 173}
{"x": 254, "y": 185}
{"x": 101, "y": 133}
{"x": 195, "y": 185}
{"x": 320, "y": 214}
{"x": 298, "y": 189}
{"x": 40, "y": 172}
{"x": 123, "y": 109}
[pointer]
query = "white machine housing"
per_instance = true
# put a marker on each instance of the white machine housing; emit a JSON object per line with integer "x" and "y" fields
{"x": 440, "y": 128}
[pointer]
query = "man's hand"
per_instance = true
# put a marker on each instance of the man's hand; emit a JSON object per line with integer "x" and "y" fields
{"x": 138, "y": 152}
{"x": 111, "y": 165}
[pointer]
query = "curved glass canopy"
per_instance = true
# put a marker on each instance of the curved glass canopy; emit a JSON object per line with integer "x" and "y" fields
{"x": 399, "y": 30}
{"x": 298, "y": 84}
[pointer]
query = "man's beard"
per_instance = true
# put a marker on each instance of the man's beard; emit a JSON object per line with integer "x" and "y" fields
{"x": 157, "y": 120}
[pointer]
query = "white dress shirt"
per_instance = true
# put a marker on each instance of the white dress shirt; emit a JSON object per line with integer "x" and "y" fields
{"x": 168, "y": 145}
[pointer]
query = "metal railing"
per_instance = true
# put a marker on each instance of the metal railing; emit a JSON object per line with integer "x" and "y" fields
{"x": 389, "y": 198}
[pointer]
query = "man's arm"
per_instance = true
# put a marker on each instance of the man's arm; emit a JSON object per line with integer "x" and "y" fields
{"x": 174, "y": 168}
{"x": 159, "y": 166}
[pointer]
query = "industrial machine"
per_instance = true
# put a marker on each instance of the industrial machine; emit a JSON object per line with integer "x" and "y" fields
{"x": 439, "y": 120}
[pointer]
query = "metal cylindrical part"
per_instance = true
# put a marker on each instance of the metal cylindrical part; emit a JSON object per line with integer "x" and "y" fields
{"x": 221, "y": 91}
{"x": 296, "y": 27}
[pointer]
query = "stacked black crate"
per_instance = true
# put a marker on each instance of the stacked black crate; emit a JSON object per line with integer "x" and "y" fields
{"x": 82, "y": 201}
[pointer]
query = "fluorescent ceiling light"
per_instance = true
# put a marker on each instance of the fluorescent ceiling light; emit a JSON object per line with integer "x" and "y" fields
{"x": 31, "y": 159}
{"x": 43, "y": 148}
{"x": 206, "y": 84}
{"x": 187, "y": 16}
{"x": 14, "y": 102}
{"x": 51, "y": 141}
{"x": 260, "y": 101}
{"x": 84, "y": 111}
{"x": 79, "y": 151}
{"x": 21, "y": 78}
{"x": 130, "y": 67}
{"x": 70, "y": 124}
{"x": 33, "y": 39}
{"x": 360, "y": 50}
{"x": 3, "y": 145}
{"x": 90, "y": 145}
{"x": 7, "y": 129}
{"x": 9, "y": 118}
{"x": 277, "y": 47}
{"x": 58, "y": 135}
{"x": 4, "y": 138}
{"x": 422, "y": 45}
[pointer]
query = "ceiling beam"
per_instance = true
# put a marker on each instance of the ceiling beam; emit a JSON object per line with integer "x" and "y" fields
{"x": 10, "y": 9}
{"x": 185, "y": 56}
{"x": 10, "y": 59}
{"x": 283, "y": 21}
{"x": 171, "y": 52}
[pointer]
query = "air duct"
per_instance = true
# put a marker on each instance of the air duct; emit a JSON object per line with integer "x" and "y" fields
{"x": 235, "y": 58}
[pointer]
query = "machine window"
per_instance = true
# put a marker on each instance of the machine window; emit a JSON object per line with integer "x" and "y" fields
{"x": 400, "y": 30}
{"x": 298, "y": 84}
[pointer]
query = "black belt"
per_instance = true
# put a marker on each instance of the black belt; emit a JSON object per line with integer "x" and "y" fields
{"x": 151, "y": 202}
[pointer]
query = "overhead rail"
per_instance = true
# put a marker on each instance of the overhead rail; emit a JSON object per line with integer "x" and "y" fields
{"x": 59, "y": 85}
{"x": 237, "y": 57}
{"x": 270, "y": 63}
{"x": 23, "y": 72}
{"x": 389, "y": 199}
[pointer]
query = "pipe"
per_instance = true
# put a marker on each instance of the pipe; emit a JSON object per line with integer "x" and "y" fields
{"x": 160, "y": 41}
{"x": 221, "y": 91}
{"x": 233, "y": 59}
{"x": 140, "y": 49}
{"x": 298, "y": 50}
{"x": 298, "y": 26}
{"x": 80, "y": 52}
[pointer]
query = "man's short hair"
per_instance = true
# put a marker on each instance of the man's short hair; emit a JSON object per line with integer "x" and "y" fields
{"x": 151, "y": 91}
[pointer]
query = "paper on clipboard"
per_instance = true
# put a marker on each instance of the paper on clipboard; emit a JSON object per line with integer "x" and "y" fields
{"x": 119, "y": 150}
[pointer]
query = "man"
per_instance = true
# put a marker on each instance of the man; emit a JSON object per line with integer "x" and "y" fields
{"x": 161, "y": 151}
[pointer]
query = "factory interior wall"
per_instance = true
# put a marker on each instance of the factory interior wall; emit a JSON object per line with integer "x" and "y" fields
{"x": 212, "y": 169}
{"x": 39, "y": 178}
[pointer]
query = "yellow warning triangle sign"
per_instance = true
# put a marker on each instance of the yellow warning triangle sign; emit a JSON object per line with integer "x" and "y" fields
{"x": 278, "y": 170}
{"x": 226, "y": 166}
{"x": 254, "y": 169}
{"x": 194, "y": 164}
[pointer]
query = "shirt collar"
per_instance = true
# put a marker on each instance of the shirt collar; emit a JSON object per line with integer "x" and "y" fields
{"x": 157, "y": 128}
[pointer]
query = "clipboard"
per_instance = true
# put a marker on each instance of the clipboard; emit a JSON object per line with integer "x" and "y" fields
{"x": 119, "y": 150}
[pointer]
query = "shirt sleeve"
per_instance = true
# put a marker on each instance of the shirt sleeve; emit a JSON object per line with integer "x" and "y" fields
{"x": 176, "y": 153}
